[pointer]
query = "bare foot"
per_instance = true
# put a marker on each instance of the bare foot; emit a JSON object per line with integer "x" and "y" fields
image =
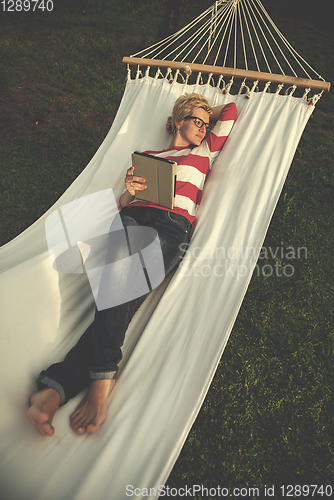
{"x": 43, "y": 406}
{"x": 92, "y": 411}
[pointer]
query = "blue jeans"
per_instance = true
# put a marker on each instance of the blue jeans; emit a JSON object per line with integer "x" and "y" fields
{"x": 98, "y": 351}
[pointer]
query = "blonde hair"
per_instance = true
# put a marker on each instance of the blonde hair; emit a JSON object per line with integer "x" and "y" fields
{"x": 185, "y": 104}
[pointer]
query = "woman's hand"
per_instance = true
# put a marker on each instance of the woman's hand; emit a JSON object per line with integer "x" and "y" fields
{"x": 133, "y": 183}
{"x": 169, "y": 125}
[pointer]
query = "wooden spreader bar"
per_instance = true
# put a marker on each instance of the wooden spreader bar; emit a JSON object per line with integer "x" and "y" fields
{"x": 237, "y": 73}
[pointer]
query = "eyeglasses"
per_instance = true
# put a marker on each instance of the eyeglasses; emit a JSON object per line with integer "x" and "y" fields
{"x": 199, "y": 123}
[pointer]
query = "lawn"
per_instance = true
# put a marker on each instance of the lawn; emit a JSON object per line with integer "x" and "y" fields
{"x": 268, "y": 416}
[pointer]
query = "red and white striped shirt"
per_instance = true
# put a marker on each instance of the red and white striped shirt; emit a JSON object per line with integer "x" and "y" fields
{"x": 193, "y": 166}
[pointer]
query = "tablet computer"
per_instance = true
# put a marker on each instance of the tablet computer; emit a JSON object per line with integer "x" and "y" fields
{"x": 160, "y": 178}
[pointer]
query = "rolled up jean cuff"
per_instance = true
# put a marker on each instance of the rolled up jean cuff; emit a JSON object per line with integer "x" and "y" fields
{"x": 93, "y": 375}
{"x": 44, "y": 380}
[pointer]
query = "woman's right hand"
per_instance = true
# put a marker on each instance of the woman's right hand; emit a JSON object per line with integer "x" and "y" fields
{"x": 169, "y": 125}
{"x": 133, "y": 183}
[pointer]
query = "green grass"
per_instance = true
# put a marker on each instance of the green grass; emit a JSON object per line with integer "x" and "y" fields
{"x": 268, "y": 416}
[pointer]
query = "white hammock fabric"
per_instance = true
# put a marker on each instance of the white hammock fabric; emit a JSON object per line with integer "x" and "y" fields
{"x": 166, "y": 371}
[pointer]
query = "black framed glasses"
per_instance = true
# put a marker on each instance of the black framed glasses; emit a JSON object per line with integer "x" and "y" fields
{"x": 199, "y": 123}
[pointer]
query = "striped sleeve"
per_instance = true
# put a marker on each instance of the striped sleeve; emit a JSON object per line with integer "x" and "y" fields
{"x": 218, "y": 135}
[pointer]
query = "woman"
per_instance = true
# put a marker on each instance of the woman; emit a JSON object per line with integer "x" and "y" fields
{"x": 94, "y": 360}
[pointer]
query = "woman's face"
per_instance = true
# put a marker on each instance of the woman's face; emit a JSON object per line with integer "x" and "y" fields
{"x": 189, "y": 133}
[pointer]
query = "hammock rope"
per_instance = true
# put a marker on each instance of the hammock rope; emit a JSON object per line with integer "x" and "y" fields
{"x": 215, "y": 35}
{"x": 279, "y": 48}
{"x": 292, "y": 51}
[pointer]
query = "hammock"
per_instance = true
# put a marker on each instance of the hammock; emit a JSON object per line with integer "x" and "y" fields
{"x": 175, "y": 341}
